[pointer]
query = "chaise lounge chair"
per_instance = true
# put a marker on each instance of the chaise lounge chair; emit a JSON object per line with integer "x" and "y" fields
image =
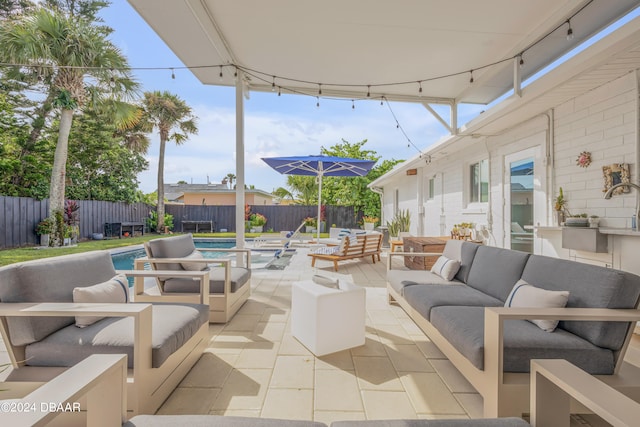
{"x": 229, "y": 286}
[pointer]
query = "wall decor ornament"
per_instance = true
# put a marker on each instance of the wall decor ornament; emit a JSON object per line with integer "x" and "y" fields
{"x": 584, "y": 159}
{"x": 615, "y": 174}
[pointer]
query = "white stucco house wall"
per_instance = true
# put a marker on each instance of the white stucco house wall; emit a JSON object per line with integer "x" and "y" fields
{"x": 589, "y": 103}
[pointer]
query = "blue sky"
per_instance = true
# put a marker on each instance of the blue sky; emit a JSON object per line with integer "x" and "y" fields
{"x": 274, "y": 126}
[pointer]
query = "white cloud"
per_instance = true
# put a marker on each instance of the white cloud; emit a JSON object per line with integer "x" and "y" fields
{"x": 268, "y": 133}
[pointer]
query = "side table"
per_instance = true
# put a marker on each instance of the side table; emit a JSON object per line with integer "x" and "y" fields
{"x": 422, "y": 244}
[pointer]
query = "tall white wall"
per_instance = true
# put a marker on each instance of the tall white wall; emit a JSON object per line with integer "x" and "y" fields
{"x": 602, "y": 121}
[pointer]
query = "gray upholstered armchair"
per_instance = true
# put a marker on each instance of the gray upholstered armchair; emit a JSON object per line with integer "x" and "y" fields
{"x": 230, "y": 286}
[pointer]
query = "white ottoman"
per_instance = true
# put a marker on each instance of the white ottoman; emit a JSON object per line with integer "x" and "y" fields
{"x": 325, "y": 319}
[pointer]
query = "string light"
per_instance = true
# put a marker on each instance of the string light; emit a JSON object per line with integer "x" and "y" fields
{"x": 569, "y": 31}
{"x": 521, "y": 62}
{"x": 221, "y": 75}
{"x": 273, "y": 84}
{"x": 368, "y": 91}
{"x": 471, "y": 79}
{"x": 173, "y": 75}
{"x": 279, "y": 92}
{"x": 353, "y": 104}
{"x": 420, "y": 88}
{"x": 319, "y": 89}
{"x": 318, "y": 101}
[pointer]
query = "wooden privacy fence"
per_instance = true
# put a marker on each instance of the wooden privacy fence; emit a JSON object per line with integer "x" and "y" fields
{"x": 20, "y": 215}
{"x": 279, "y": 218}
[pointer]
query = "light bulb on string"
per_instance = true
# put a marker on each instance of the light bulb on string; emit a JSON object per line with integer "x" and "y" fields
{"x": 353, "y": 104}
{"x": 221, "y": 75}
{"x": 368, "y": 91}
{"x": 569, "y": 31}
{"x": 279, "y": 91}
{"x": 319, "y": 89}
{"x": 173, "y": 75}
{"x": 471, "y": 79}
{"x": 420, "y": 88}
{"x": 521, "y": 62}
{"x": 318, "y": 101}
{"x": 273, "y": 84}
{"x": 235, "y": 74}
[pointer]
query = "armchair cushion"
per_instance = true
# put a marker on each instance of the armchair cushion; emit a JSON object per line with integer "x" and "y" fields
{"x": 171, "y": 247}
{"x": 112, "y": 291}
{"x": 51, "y": 280}
{"x": 172, "y": 326}
{"x": 463, "y": 327}
{"x": 239, "y": 277}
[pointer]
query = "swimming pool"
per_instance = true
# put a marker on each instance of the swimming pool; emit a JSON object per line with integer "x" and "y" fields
{"x": 123, "y": 259}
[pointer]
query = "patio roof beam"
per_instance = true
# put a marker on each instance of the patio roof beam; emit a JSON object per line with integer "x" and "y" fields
{"x": 452, "y": 125}
{"x": 200, "y": 9}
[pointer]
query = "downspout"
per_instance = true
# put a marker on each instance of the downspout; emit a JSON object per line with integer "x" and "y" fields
{"x": 637, "y": 137}
{"x": 550, "y": 159}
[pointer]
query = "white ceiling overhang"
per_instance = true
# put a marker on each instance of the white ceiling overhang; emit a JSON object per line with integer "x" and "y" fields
{"x": 348, "y": 46}
{"x": 609, "y": 59}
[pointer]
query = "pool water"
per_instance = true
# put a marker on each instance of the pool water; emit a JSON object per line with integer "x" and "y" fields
{"x": 262, "y": 258}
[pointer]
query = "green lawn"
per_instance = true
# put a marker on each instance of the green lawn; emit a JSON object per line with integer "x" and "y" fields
{"x": 10, "y": 256}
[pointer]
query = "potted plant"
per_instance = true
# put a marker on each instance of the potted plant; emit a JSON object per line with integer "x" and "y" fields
{"x": 257, "y": 222}
{"x": 44, "y": 230}
{"x": 594, "y": 221}
{"x": 310, "y": 224}
{"x": 560, "y": 207}
{"x": 369, "y": 222}
{"x": 400, "y": 223}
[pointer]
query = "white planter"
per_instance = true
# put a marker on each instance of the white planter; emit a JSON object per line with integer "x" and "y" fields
{"x": 257, "y": 228}
{"x": 44, "y": 240}
{"x": 309, "y": 228}
{"x": 369, "y": 226}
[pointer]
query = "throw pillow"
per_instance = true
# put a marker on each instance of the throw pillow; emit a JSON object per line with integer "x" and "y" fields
{"x": 344, "y": 232}
{"x": 526, "y": 295}
{"x": 446, "y": 268}
{"x": 115, "y": 290}
{"x": 194, "y": 266}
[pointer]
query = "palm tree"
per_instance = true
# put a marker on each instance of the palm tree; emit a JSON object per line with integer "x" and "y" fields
{"x": 174, "y": 120}
{"x": 230, "y": 178}
{"x": 84, "y": 68}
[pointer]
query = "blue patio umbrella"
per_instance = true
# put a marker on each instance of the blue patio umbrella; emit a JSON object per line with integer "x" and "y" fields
{"x": 320, "y": 166}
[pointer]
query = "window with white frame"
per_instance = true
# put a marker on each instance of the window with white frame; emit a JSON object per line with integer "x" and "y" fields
{"x": 432, "y": 188}
{"x": 479, "y": 182}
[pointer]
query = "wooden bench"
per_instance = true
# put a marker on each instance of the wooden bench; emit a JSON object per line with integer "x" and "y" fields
{"x": 366, "y": 245}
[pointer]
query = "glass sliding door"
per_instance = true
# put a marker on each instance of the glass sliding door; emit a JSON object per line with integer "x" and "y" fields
{"x": 521, "y": 199}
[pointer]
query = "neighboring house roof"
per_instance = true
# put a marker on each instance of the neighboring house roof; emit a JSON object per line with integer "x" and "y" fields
{"x": 174, "y": 192}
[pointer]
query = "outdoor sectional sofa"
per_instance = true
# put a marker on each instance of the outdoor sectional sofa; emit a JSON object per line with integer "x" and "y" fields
{"x": 162, "y": 341}
{"x": 492, "y": 345}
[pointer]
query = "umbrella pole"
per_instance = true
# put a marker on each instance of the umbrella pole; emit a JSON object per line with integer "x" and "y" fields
{"x": 319, "y": 203}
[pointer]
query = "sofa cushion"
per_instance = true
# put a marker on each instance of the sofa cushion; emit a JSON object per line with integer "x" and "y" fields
{"x": 239, "y": 277}
{"x": 171, "y": 247}
{"x": 424, "y": 297}
{"x": 467, "y": 254}
{"x": 399, "y": 279}
{"x": 114, "y": 290}
{"x": 463, "y": 327}
{"x": 445, "y": 267}
{"x": 214, "y": 420}
{"x": 525, "y": 295}
{"x": 588, "y": 286}
{"x": 486, "y": 422}
{"x": 495, "y": 270}
{"x": 51, "y": 280}
{"x": 172, "y": 326}
{"x": 194, "y": 266}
